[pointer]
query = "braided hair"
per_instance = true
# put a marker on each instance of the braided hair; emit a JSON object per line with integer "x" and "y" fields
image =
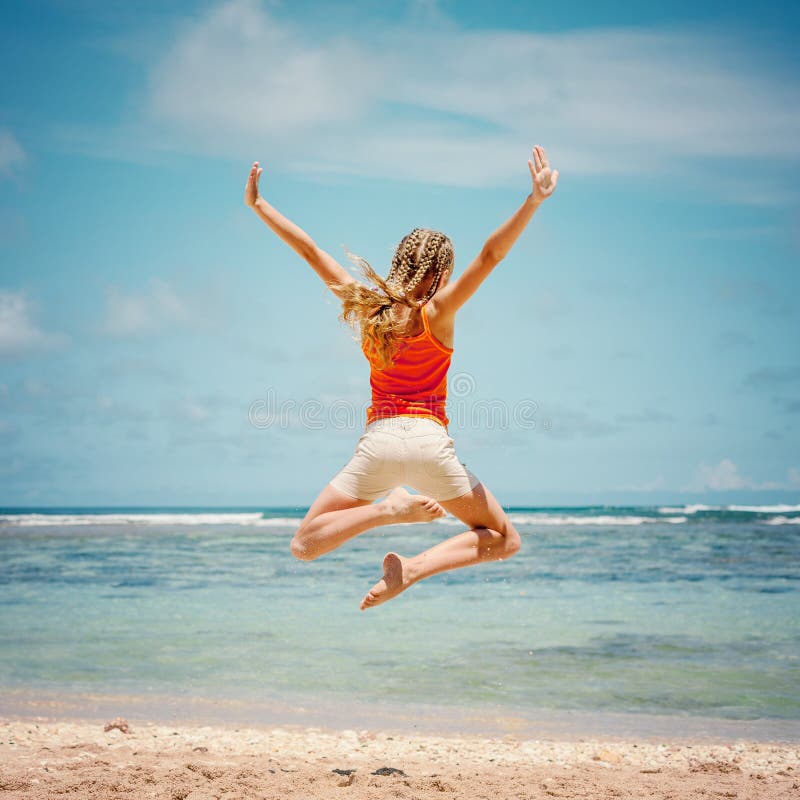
{"x": 421, "y": 254}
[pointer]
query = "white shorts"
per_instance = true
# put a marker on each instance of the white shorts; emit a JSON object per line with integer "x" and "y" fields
{"x": 405, "y": 451}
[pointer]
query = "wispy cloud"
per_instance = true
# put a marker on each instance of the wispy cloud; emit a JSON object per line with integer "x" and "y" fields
{"x": 739, "y": 233}
{"x": 646, "y": 416}
{"x": 109, "y": 409}
{"x": 725, "y": 476}
{"x": 11, "y": 152}
{"x": 566, "y": 423}
{"x": 766, "y": 298}
{"x": 438, "y": 103}
{"x": 19, "y": 332}
{"x": 791, "y": 405}
{"x": 784, "y": 380}
{"x": 152, "y": 310}
{"x": 773, "y": 377}
{"x": 569, "y": 423}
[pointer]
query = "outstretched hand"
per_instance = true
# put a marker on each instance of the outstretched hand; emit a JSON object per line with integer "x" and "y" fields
{"x": 251, "y": 190}
{"x": 544, "y": 179}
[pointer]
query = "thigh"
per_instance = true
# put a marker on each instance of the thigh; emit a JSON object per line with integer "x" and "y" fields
{"x": 478, "y": 508}
{"x": 331, "y": 499}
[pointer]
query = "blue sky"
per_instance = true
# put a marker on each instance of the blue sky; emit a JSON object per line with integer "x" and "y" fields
{"x": 646, "y": 321}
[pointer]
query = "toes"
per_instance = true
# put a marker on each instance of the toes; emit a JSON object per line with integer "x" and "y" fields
{"x": 431, "y": 505}
{"x": 369, "y": 600}
{"x": 435, "y": 508}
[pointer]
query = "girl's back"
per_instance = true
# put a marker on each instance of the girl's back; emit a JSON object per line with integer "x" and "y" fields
{"x": 415, "y": 383}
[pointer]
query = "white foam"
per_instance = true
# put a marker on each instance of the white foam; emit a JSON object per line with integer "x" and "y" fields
{"x": 780, "y": 509}
{"x": 275, "y": 522}
{"x": 783, "y": 521}
{"x": 687, "y": 509}
{"x": 567, "y": 519}
{"x": 693, "y": 509}
{"x": 257, "y": 520}
{"x": 39, "y": 520}
{"x": 571, "y": 519}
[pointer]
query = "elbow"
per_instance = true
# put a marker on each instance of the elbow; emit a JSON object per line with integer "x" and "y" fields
{"x": 492, "y": 255}
{"x": 306, "y": 251}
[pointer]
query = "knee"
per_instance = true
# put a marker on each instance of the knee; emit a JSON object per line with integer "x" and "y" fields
{"x": 300, "y": 550}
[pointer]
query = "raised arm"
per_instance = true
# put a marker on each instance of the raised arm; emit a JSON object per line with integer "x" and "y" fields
{"x": 449, "y": 299}
{"x": 325, "y": 265}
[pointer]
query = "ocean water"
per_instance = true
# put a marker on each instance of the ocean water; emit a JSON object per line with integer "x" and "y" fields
{"x": 688, "y": 610}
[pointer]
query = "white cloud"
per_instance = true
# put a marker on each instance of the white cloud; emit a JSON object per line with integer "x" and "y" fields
{"x": 11, "y": 152}
{"x": 196, "y": 412}
{"x": 437, "y": 103}
{"x": 19, "y": 333}
{"x": 150, "y": 311}
{"x": 238, "y": 70}
{"x": 725, "y": 476}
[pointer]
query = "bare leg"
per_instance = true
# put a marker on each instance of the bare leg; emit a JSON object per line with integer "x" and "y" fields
{"x": 336, "y": 517}
{"x": 492, "y": 538}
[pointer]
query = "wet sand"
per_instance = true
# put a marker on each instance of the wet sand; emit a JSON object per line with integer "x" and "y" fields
{"x": 44, "y": 758}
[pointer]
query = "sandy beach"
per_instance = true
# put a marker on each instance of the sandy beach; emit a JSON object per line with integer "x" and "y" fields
{"x": 43, "y": 758}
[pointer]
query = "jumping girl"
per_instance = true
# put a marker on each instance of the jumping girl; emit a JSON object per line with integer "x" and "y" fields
{"x": 406, "y": 323}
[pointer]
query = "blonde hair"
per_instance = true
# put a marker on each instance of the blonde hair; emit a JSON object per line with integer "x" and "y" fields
{"x": 421, "y": 253}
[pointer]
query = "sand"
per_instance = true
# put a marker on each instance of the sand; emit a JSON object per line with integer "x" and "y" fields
{"x": 42, "y": 758}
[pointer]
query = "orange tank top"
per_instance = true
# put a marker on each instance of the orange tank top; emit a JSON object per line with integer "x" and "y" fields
{"x": 415, "y": 385}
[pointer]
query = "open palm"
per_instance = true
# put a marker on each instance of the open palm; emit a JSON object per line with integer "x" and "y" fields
{"x": 544, "y": 179}
{"x": 251, "y": 189}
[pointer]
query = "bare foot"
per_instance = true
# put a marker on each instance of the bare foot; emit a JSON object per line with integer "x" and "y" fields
{"x": 406, "y": 507}
{"x": 397, "y": 577}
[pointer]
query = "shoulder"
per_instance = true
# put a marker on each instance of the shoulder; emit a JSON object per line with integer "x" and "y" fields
{"x": 441, "y": 322}
{"x": 435, "y": 310}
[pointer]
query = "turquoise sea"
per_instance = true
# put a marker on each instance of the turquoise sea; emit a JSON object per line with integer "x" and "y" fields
{"x": 682, "y": 611}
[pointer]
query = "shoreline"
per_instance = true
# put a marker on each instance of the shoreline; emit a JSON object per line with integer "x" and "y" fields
{"x": 402, "y": 719}
{"x": 41, "y": 758}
